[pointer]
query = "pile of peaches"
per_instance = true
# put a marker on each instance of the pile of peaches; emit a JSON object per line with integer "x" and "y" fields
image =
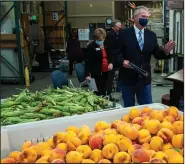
{"x": 141, "y": 136}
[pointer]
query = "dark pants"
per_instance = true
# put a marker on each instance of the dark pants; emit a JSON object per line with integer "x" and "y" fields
{"x": 101, "y": 83}
{"x": 71, "y": 64}
{"x": 143, "y": 94}
{"x": 111, "y": 75}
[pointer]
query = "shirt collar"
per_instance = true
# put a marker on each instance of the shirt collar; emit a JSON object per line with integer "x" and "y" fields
{"x": 137, "y": 30}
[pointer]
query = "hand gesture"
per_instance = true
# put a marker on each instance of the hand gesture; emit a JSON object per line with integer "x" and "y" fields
{"x": 126, "y": 64}
{"x": 169, "y": 46}
{"x": 110, "y": 67}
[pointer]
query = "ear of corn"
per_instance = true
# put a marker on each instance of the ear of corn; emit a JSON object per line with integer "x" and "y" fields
{"x": 48, "y": 104}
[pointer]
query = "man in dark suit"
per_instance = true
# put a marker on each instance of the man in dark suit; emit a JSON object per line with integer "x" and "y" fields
{"x": 112, "y": 43}
{"x": 138, "y": 44}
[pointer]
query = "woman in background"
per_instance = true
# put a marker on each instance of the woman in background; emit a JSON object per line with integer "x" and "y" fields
{"x": 98, "y": 62}
{"x": 75, "y": 53}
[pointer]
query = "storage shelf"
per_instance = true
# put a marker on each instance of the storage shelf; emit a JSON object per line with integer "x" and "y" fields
{"x": 7, "y": 37}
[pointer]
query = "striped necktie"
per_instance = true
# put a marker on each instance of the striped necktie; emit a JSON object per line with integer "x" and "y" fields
{"x": 140, "y": 40}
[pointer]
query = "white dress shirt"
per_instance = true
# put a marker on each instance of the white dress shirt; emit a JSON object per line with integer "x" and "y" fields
{"x": 137, "y": 33}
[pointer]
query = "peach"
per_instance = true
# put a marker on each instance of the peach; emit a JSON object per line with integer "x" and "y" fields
{"x": 160, "y": 155}
{"x": 134, "y": 112}
{"x": 46, "y": 152}
{"x": 129, "y": 131}
{"x": 134, "y": 147}
{"x": 146, "y": 146}
{"x": 58, "y": 138}
{"x": 42, "y": 146}
{"x": 156, "y": 143}
{"x": 74, "y": 157}
{"x": 150, "y": 152}
{"x": 147, "y": 110}
{"x": 104, "y": 161}
{"x": 51, "y": 143}
{"x": 122, "y": 157}
{"x": 85, "y": 129}
{"x": 68, "y": 135}
{"x": 146, "y": 116}
{"x": 58, "y": 161}
{"x": 73, "y": 143}
{"x": 101, "y": 125}
{"x": 140, "y": 155}
{"x": 165, "y": 134}
{"x": 170, "y": 119}
{"x": 85, "y": 150}
{"x": 178, "y": 127}
{"x": 167, "y": 146}
{"x": 156, "y": 160}
{"x": 96, "y": 142}
{"x": 110, "y": 131}
{"x": 126, "y": 118}
{"x": 138, "y": 127}
{"x": 62, "y": 146}
{"x": 176, "y": 159}
{"x": 124, "y": 144}
{"x": 115, "y": 123}
{"x": 153, "y": 126}
{"x": 43, "y": 158}
{"x": 111, "y": 138}
{"x": 8, "y": 160}
{"x": 36, "y": 149}
{"x": 28, "y": 156}
{"x": 167, "y": 124}
{"x": 41, "y": 161}
{"x": 144, "y": 136}
{"x": 84, "y": 136}
{"x": 182, "y": 118}
{"x": 173, "y": 111}
{"x": 158, "y": 115}
{"x": 171, "y": 153}
{"x": 27, "y": 144}
{"x": 109, "y": 151}
{"x": 137, "y": 120}
{"x": 57, "y": 154}
{"x": 73, "y": 129}
{"x": 15, "y": 155}
{"x": 96, "y": 155}
{"x": 178, "y": 141}
{"x": 87, "y": 161}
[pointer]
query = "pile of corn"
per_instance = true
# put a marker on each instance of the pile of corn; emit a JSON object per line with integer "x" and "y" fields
{"x": 50, "y": 103}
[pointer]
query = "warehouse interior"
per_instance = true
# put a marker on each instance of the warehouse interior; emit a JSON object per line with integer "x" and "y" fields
{"x": 34, "y": 36}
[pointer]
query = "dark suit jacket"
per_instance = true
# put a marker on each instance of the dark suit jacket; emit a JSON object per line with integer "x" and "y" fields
{"x": 74, "y": 51}
{"x": 94, "y": 59}
{"x": 113, "y": 45}
{"x": 131, "y": 52}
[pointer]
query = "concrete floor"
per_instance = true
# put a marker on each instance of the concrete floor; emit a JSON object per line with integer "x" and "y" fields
{"x": 43, "y": 80}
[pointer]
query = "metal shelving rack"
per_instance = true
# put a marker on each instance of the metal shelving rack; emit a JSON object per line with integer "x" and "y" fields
{"x": 66, "y": 28}
{"x": 16, "y": 7}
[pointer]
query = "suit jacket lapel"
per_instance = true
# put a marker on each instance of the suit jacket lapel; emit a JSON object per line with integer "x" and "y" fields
{"x": 145, "y": 40}
{"x": 134, "y": 38}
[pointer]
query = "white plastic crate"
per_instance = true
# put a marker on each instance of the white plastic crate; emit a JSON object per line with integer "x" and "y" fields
{"x": 13, "y": 136}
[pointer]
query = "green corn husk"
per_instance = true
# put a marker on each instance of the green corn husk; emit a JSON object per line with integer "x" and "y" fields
{"x": 13, "y": 114}
{"x": 90, "y": 100}
{"x": 66, "y": 114}
{"x": 50, "y": 100}
{"x": 51, "y": 111}
{"x": 33, "y": 116}
{"x": 13, "y": 120}
{"x": 28, "y": 120}
{"x": 9, "y": 104}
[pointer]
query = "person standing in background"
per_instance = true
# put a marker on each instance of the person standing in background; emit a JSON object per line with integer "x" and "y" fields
{"x": 75, "y": 53}
{"x": 98, "y": 61}
{"x": 112, "y": 43}
{"x": 138, "y": 44}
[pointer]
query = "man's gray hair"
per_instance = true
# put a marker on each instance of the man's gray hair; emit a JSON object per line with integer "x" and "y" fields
{"x": 138, "y": 10}
{"x": 114, "y": 23}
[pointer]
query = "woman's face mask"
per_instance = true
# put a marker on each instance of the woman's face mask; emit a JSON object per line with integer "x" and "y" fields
{"x": 99, "y": 42}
